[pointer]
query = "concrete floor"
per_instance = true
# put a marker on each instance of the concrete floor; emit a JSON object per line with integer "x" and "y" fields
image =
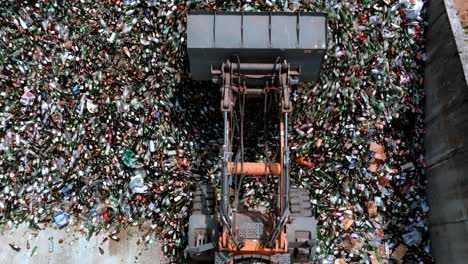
{"x": 75, "y": 248}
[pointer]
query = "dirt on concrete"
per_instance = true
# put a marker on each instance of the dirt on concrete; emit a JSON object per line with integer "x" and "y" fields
{"x": 462, "y": 11}
{"x": 70, "y": 246}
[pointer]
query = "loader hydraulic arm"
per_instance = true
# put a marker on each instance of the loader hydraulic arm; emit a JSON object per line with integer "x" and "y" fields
{"x": 280, "y": 75}
{"x": 225, "y": 179}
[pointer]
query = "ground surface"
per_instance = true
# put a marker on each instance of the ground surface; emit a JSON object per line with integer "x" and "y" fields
{"x": 75, "y": 248}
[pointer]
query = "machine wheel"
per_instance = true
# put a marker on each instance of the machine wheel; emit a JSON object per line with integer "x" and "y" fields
{"x": 203, "y": 219}
{"x": 301, "y": 213}
{"x": 204, "y": 200}
{"x": 299, "y": 202}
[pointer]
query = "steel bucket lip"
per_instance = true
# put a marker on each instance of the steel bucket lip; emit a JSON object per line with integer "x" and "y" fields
{"x": 209, "y": 43}
{"x": 280, "y": 13}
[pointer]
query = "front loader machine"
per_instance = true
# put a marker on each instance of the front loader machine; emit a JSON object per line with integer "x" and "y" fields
{"x": 256, "y": 58}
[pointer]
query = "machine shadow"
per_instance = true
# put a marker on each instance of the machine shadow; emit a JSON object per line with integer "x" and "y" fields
{"x": 196, "y": 115}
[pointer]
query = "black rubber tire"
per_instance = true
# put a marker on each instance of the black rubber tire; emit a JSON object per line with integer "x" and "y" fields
{"x": 299, "y": 206}
{"x": 299, "y": 202}
{"x": 204, "y": 200}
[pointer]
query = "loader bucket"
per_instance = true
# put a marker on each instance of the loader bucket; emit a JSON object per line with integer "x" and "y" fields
{"x": 214, "y": 37}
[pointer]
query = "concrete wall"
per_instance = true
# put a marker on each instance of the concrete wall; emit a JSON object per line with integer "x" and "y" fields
{"x": 446, "y": 76}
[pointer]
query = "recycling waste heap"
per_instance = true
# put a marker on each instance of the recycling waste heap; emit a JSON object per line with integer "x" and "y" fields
{"x": 101, "y": 126}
